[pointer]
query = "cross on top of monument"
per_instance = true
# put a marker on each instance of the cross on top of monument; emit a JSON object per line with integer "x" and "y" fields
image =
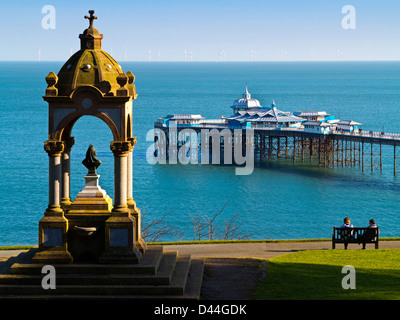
{"x": 91, "y": 18}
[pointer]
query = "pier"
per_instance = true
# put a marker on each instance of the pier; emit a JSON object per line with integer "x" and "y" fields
{"x": 336, "y": 149}
{"x": 312, "y": 136}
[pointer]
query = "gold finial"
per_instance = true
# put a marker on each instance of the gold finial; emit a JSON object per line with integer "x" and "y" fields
{"x": 91, "y": 18}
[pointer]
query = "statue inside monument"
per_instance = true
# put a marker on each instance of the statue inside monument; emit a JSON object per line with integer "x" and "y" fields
{"x": 91, "y": 162}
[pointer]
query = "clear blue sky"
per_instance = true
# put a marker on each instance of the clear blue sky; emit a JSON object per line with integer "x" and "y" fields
{"x": 295, "y": 30}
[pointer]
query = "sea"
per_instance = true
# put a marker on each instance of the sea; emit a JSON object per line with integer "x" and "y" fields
{"x": 278, "y": 200}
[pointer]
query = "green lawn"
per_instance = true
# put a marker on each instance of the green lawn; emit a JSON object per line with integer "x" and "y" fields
{"x": 316, "y": 274}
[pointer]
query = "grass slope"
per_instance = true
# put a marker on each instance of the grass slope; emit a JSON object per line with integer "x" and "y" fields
{"x": 317, "y": 275}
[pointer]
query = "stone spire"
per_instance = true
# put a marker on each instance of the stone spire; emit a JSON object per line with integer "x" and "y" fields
{"x": 91, "y": 37}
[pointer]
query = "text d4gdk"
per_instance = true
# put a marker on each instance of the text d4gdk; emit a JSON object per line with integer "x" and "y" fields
{"x": 227, "y": 309}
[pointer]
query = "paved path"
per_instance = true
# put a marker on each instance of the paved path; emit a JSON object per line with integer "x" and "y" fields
{"x": 264, "y": 250}
{"x": 233, "y": 279}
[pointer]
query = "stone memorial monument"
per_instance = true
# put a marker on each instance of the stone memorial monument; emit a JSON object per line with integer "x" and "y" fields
{"x": 94, "y": 243}
{"x": 92, "y": 83}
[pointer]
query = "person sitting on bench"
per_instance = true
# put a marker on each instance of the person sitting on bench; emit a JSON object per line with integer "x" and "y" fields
{"x": 346, "y": 223}
{"x": 369, "y": 234}
{"x": 346, "y": 234}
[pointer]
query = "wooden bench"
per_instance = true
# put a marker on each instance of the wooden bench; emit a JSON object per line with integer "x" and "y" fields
{"x": 355, "y": 235}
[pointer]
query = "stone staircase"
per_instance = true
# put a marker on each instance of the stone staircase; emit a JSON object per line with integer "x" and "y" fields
{"x": 160, "y": 274}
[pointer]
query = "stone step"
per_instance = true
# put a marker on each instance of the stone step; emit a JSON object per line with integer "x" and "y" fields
{"x": 194, "y": 280}
{"x": 192, "y": 290}
{"x": 176, "y": 286}
{"x": 163, "y": 276}
{"x": 148, "y": 265}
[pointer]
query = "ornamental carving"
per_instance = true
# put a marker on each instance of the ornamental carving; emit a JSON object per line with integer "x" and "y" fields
{"x": 51, "y": 80}
{"x": 68, "y": 143}
{"x": 54, "y": 148}
{"x": 132, "y": 141}
{"x": 121, "y": 148}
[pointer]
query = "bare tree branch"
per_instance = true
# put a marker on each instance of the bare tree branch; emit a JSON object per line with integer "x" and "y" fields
{"x": 202, "y": 222}
{"x": 158, "y": 228}
{"x": 204, "y": 227}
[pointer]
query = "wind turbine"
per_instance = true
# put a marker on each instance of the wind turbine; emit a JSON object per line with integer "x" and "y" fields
{"x": 191, "y": 55}
{"x": 283, "y": 55}
{"x": 149, "y": 55}
{"x": 255, "y": 55}
{"x": 185, "y": 55}
{"x": 221, "y": 55}
{"x": 340, "y": 55}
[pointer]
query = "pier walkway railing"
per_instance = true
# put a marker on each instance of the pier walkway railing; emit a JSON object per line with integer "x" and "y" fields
{"x": 372, "y": 134}
{"x": 221, "y": 126}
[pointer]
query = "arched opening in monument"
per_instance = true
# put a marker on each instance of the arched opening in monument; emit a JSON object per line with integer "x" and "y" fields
{"x": 86, "y": 236}
{"x": 91, "y": 130}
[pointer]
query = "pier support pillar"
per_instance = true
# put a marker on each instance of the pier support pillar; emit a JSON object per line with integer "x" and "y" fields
{"x": 396, "y": 159}
{"x": 362, "y": 156}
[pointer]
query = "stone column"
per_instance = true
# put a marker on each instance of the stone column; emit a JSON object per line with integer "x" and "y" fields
{"x": 53, "y": 226}
{"x": 121, "y": 150}
{"x": 130, "y": 174}
{"x": 54, "y": 149}
{"x": 66, "y": 173}
{"x": 120, "y": 227}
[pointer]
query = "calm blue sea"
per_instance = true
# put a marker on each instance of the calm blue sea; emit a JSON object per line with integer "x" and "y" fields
{"x": 279, "y": 200}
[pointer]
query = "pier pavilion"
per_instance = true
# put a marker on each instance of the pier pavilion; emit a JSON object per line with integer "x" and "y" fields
{"x": 249, "y": 112}
{"x": 182, "y": 119}
{"x": 314, "y": 115}
{"x": 265, "y": 117}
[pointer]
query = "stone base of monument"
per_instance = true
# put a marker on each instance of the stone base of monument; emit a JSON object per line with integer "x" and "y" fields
{"x": 160, "y": 274}
{"x": 136, "y": 214}
{"x": 55, "y": 256}
{"x": 86, "y": 218}
{"x": 97, "y": 253}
